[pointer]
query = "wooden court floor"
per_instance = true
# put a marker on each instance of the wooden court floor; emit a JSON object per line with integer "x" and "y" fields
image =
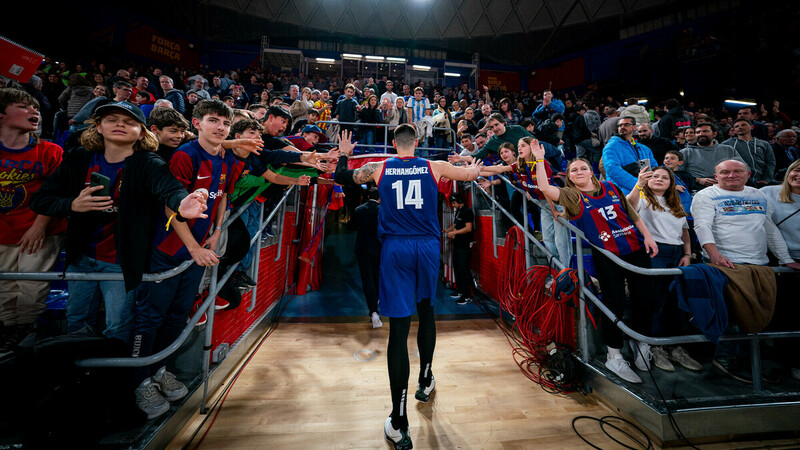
{"x": 305, "y": 390}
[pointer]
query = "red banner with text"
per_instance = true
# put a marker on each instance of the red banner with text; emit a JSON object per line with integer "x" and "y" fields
{"x": 145, "y": 41}
{"x": 500, "y": 81}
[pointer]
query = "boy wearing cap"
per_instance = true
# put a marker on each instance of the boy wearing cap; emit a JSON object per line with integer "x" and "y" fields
{"x": 161, "y": 308}
{"x": 109, "y": 227}
{"x": 28, "y": 241}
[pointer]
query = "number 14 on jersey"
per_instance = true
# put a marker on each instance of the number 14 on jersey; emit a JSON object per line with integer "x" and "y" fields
{"x": 412, "y": 197}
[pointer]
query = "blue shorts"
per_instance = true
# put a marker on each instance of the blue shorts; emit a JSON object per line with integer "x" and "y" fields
{"x": 409, "y": 272}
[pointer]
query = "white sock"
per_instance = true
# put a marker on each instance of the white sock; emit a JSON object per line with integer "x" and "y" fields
{"x": 613, "y": 352}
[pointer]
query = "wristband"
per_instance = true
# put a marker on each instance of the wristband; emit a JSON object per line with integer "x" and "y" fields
{"x": 170, "y": 219}
{"x": 343, "y": 175}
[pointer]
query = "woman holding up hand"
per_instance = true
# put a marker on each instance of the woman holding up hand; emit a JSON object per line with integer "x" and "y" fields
{"x": 608, "y": 221}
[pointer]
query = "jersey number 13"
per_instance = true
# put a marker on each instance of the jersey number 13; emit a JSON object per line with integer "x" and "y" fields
{"x": 413, "y": 196}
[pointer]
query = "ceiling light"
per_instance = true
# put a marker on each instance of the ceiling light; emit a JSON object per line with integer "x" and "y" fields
{"x": 326, "y": 60}
{"x": 351, "y": 55}
{"x": 421, "y": 67}
{"x": 374, "y": 58}
{"x": 740, "y": 102}
{"x": 452, "y": 74}
{"x": 393, "y": 59}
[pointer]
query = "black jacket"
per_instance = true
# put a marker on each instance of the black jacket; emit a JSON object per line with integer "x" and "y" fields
{"x": 366, "y": 221}
{"x": 147, "y": 186}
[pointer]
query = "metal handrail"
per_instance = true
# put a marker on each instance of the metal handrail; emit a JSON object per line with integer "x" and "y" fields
{"x": 212, "y": 295}
{"x": 586, "y": 293}
{"x": 625, "y": 265}
{"x": 386, "y": 142}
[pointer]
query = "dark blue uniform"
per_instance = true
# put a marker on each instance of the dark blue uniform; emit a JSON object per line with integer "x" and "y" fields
{"x": 408, "y": 226}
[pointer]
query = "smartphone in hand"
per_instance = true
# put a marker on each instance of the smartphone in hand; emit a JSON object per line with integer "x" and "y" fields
{"x": 98, "y": 179}
{"x": 644, "y": 164}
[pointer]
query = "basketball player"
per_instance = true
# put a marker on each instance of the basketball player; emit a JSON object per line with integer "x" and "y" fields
{"x": 408, "y": 226}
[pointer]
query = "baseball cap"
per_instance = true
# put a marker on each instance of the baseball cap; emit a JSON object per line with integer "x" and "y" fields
{"x": 126, "y": 107}
{"x": 316, "y": 130}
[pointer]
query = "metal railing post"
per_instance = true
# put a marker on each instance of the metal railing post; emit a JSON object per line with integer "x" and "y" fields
{"x": 280, "y": 231}
{"x": 386, "y": 139}
{"x": 212, "y": 293}
{"x": 525, "y": 235}
{"x": 755, "y": 355}
{"x": 256, "y": 249}
{"x": 494, "y": 222}
{"x": 583, "y": 334}
{"x": 296, "y": 207}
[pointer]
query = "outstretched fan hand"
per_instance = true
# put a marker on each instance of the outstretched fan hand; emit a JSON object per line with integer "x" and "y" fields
{"x": 193, "y": 205}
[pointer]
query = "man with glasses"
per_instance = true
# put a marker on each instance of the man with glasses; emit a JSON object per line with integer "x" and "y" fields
{"x": 623, "y": 157}
{"x": 122, "y": 92}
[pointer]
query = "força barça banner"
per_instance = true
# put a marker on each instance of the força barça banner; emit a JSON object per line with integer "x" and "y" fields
{"x": 145, "y": 41}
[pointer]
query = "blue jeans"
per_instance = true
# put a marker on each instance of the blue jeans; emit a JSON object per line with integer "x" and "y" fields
{"x": 556, "y": 237}
{"x": 162, "y": 308}
{"x": 250, "y": 219}
{"x": 85, "y": 297}
{"x": 367, "y": 139}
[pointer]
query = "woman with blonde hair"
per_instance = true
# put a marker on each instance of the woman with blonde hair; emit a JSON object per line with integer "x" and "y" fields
{"x": 111, "y": 229}
{"x": 784, "y": 209}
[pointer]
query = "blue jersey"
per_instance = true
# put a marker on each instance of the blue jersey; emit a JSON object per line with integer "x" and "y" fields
{"x": 606, "y": 224}
{"x": 409, "y": 195}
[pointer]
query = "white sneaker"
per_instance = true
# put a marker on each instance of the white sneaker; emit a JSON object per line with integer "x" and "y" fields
{"x": 622, "y": 369}
{"x": 661, "y": 359}
{"x": 399, "y": 438}
{"x": 424, "y": 395}
{"x": 641, "y": 356}
{"x": 376, "y": 321}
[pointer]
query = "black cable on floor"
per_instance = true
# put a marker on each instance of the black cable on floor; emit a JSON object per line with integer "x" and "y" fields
{"x": 604, "y": 421}
{"x": 672, "y": 421}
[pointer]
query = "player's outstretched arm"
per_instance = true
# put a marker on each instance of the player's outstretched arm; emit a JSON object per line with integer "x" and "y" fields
{"x": 469, "y": 172}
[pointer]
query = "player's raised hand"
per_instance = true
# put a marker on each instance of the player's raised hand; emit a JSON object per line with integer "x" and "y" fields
{"x": 345, "y": 145}
{"x": 475, "y": 168}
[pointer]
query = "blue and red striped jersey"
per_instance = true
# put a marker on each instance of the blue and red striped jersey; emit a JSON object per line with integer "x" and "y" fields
{"x": 195, "y": 168}
{"x": 606, "y": 224}
{"x": 527, "y": 179}
{"x": 101, "y": 245}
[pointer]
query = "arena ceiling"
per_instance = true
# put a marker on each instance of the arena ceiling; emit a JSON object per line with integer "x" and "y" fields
{"x": 435, "y": 19}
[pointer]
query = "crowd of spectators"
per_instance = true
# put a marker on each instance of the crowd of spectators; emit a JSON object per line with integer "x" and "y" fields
{"x": 206, "y": 141}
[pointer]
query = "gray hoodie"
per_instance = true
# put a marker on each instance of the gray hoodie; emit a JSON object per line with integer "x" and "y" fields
{"x": 701, "y": 161}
